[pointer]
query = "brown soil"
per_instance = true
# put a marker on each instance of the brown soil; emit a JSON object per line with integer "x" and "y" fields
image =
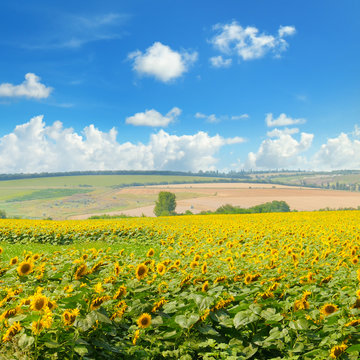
{"x": 243, "y": 195}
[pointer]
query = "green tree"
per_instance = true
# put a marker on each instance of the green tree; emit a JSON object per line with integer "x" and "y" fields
{"x": 2, "y": 214}
{"x": 166, "y": 204}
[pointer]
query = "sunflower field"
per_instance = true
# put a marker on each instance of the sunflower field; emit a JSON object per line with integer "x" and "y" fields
{"x": 260, "y": 286}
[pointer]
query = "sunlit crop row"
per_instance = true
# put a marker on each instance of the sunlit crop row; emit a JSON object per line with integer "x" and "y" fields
{"x": 262, "y": 286}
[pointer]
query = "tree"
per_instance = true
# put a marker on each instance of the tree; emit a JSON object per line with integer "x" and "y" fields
{"x": 2, "y": 214}
{"x": 166, "y": 204}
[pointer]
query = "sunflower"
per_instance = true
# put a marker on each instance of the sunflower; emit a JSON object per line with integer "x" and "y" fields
{"x": 354, "y": 322}
{"x": 205, "y": 286}
{"x": 69, "y": 316}
{"x": 204, "y": 268}
{"x": 328, "y": 309}
{"x": 98, "y": 288}
{"x": 14, "y": 260}
{"x": 9, "y": 313}
{"x": 35, "y": 257}
{"x": 337, "y": 350}
{"x": 144, "y": 321}
{"x": 121, "y": 292}
{"x": 141, "y": 271}
{"x": 194, "y": 264}
{"x": 25, "y": 268}
{"x": 81, "y": 271}
{"x": 97, "y": 302}
{"x": 117, "y": 269}
{"x": 38, "y": 302}
{"x": 161, "y": 269}
{"x": 11, "y": 331}
{"x": 37, "y": 327}
{"x": 150, "y": 253}
{"x": 159, "y": 304}
{"x": 136, "y": 337}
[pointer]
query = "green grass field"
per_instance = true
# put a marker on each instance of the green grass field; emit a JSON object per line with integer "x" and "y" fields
{"x": 64, "y": 196}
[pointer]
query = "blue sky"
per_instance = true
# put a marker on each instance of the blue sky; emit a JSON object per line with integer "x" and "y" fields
{"x": 179, "y": 85}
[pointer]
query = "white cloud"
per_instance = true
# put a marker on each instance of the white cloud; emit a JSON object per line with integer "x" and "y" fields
{"x": 248, "y": 43}
{"x": 153, "y": 118}
{"x": 30, "y": 88}
{"x": 286, "y": 31}
{"x": 278, "y": 132}
{"x": 36, "y": 147}
{"x": 240, "y": 117}
{"x": 282, "y": 152}
{"x": 212, "y": 118}
{"x": 282, "y": 120}
{"x": 341, "y": 152}
{"x": 209, "y": 118}
{"x": 161, "y": 62}
{"x": 219, "y": 61}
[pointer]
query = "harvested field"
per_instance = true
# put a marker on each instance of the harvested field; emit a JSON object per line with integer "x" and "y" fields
{"x": 240, "y": 194}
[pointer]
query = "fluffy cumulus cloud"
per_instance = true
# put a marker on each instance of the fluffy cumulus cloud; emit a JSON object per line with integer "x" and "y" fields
{"x": 161, "y": 62}
{"x": 248, "y": 43}
{"x": 36, "y": 147}
{"x": 278, "y": 132}
{"x": 153, "y": 118}
{"x": 282, "y": 120}
{"x": 282, "y": 152}
{"x": 30, "y": 88}
{"x": 341, "y": 152}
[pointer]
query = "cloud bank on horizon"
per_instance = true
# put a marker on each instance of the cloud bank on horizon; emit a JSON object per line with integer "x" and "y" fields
{"x": 224, "y": 90}
{"x": 37, "y": 147}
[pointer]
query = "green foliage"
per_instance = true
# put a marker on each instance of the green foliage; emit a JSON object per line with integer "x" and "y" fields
{"x": 49, "y": 194}
{"x": 2, "y": 214}
{"x": 109, "y": 217}
{"x": 273, "y": 206}
{"x": 166, "y": 204}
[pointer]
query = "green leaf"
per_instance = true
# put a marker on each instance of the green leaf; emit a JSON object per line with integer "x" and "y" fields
{"x": 25, "y": 341}
{"x": 208, "y": 330}
{"x": 353, "y": 348}
{"x": 52, "y": 344}
{"x": 243, "y": 318}
{"x": 271, "y": 315}
{"x": 186, "y": 321}
{"x": 102, "y": 317}
{"x": 81, "y": 350}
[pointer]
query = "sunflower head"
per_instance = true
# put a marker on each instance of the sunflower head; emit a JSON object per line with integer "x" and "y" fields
{"x": 150, "y": 253}
{"x": 329, "y": 309}
{"x": 69, "y": 316}
{"x": 204, "y": 268}
{"x": 39, "y": 302}
{"x": 205, "y": 286}
{"x": 120, "y": 293}
{"x": 12, "y": 331}
{"x": 14, "y": 260}
{"x": 25, "y": 268}
{"x": 144, "y": 321}
{"x": 37, "y": 327}
{"x": 336, "y": 351}
{"x": 141, "y": 271}
{"x": 161, "y": 269}
{"x": 81, "y": 271}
